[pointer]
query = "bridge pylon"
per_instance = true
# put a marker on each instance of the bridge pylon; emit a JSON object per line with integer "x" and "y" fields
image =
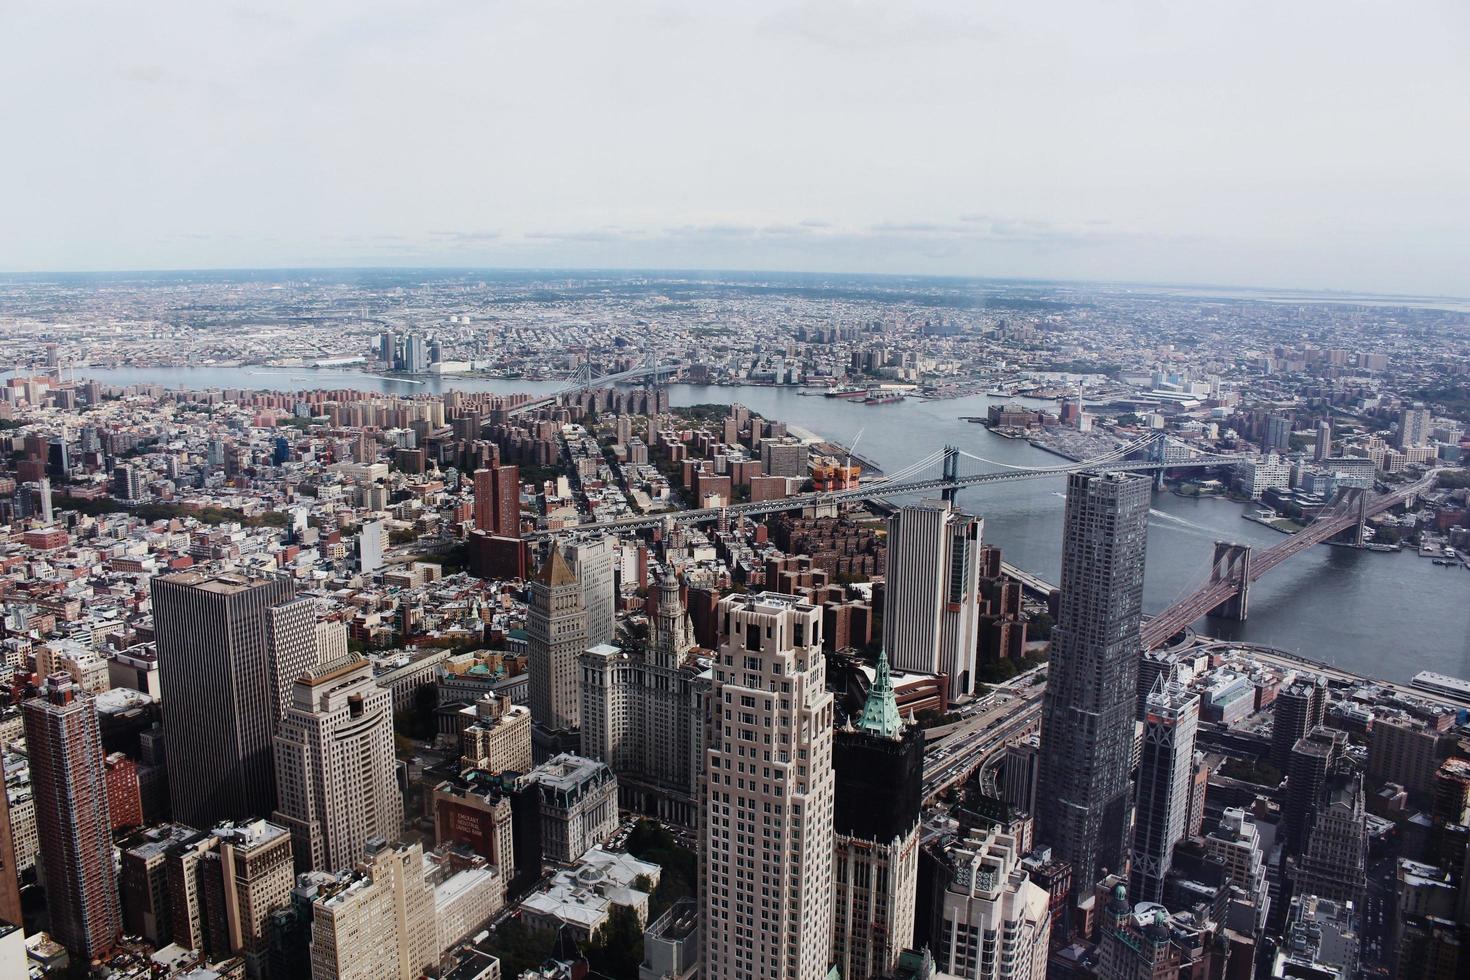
{"x": 1360, "y": 536}
{"x": 1352, "y": 500}
{"x": 951, "y": 471}
{"x": 1156, "y": 450}
{"x": 1232, "y": 562}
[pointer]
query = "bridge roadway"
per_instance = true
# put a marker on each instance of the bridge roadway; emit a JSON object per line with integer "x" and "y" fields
{"x": 1035, "y": 583}
{"x": 869, "y": 491}
{"x": 1160, "y": 628}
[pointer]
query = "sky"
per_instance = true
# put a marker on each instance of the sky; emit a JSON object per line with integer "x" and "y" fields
{"x": 1315, "y": 144}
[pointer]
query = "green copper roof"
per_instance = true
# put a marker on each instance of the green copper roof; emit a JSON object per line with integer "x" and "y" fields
{"x": 880, "y": 712}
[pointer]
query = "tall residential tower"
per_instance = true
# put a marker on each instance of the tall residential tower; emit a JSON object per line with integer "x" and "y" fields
{"x": 1087, "y": 720}
{"x": 69, "y": 786}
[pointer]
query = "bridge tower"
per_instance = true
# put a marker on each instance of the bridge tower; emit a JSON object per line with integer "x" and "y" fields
{"x": 1156, "y": 455}
{"x": 1232, "y": 563}
{"x": 1350, "y": 500}
{"x": 951, "y": 471}
{"x": 1359, "y": 529}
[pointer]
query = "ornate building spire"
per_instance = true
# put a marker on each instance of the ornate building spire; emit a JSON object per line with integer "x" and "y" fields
{"x": 880, "y": 712}
{"x": 672, "y": 636}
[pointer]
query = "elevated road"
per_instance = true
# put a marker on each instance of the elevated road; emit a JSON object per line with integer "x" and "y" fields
{"x": 1035, "y": 583}
{"x": 952, "y": 760}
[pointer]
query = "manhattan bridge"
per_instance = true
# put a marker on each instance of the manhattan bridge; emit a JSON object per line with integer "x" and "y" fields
{"x": 1225, "y": 592}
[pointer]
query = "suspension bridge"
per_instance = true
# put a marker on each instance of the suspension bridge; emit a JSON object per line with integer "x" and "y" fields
{"x": 1153, "y": 453}
{"x": 583, "y": 379}
{"x": 1234, "y": 567}
{"x": 1227, "y": 591}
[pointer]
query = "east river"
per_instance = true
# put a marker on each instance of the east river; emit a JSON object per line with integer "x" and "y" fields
{"x": 1385, "y": 615}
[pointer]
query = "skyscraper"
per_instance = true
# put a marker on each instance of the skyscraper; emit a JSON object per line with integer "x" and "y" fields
{"x": 1297, "y": 710}
{"x": 415, "y": 354}
{"x": 499, "y": 738}
{"x": 930, "y": 604}
{"x": 1278, "y": 433}
{"x": 10, "y": 910}
{"x": 1323, "y": 447}
{"x": 1313, "y": 757}
{"x": 335, "y": 766}
{"x": 227, "y": 658}
{"x": 1091, "y": 693}
{"x": 1236, "y": 845}
{"x": 592, "y": 559}
{"x": 377, "y": 924}
{"x": 127, "y": 482}
{"x": 498, "y": 501}
{"x": 768, "y": 843}
{"x": 1414, "y": 426}
{"x": 995, "y": 922}
{"x": 1165, "y": 773}
{"x": 1333, "y": 864}
{"x": 370, "y": 547}
{"x": 293, "y": 646}
{"x": 556, "y": 630}
{"x": 244, "y": 873}
{"x": 879, "y": 767}
{"x": 69, "y": 785}
{"x": 643, "y": 714}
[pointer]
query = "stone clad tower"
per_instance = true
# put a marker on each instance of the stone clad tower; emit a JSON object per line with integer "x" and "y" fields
{"x": 556, "y": 627}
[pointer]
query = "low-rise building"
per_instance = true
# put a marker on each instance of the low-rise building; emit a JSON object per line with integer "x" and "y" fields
{"x": 579, "y": 805}
{"x": 583, "y": 897}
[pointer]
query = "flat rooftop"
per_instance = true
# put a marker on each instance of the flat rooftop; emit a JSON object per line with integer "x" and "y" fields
{"x": 219, "y": 583}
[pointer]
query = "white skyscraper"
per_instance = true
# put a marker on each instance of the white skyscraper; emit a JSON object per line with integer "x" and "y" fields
{"x": 335, "y": 766}
{"x": 370, "y": 547}
{"x": 1165, "y": 773}
{"x": 930, "y": 601}
{"x": 1236, "y": 844}
{"x": 769, "y": 795}
{"x": 995, "y": 921}
{"x": 1414, "y": 426}
{"x": 377, "y": 924}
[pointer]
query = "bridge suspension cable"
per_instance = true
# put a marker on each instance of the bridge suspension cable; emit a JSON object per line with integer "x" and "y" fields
{"x": 913, "y": 469}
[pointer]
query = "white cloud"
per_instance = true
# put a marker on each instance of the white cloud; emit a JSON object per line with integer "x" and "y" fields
{"x": 1317, "y": 143}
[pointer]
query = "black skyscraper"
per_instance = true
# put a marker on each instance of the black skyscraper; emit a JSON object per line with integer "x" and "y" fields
{"x": 878, "y": 764}
{"x": 1297, "y": 711}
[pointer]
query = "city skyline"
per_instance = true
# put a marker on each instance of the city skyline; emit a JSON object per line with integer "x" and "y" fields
{"x": 596, "y": 629}
{"x": 791, "y": 490}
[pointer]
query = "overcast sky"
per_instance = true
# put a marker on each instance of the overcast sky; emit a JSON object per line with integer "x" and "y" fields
{"x": 1306, "y": 143}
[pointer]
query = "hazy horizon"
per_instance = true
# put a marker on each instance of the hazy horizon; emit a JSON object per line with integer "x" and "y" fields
{"x": 1315, "y": 147}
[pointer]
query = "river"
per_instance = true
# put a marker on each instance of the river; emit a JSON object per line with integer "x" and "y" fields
{"x": 1385, "y": 615}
